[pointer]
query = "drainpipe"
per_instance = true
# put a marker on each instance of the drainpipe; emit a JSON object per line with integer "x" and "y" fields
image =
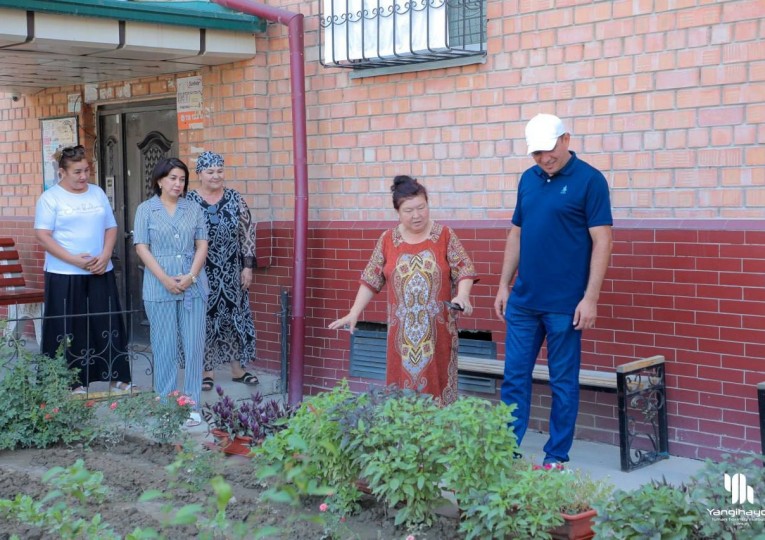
{"x": 294, "y": 24}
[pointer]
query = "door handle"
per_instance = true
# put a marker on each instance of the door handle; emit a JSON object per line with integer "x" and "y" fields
{"x": 128, "y": 235}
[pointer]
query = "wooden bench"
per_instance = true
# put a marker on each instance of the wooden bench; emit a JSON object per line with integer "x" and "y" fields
{"x": 22, "y": 301}
{"x": 641, "y": 395}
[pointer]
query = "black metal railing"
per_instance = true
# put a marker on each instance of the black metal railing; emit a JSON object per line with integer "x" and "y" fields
{"x": 363, "y": 34}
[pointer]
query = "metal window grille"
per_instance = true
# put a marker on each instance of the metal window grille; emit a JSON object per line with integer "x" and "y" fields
{"x": 363, "y": 34}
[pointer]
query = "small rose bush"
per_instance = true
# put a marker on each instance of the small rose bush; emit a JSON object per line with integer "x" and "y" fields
{"x": 39, "y": 410}
{"x": 160, "y": 419}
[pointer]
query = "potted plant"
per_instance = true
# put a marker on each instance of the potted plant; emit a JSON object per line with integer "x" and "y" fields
{"x": 576, "y": 503}
{"x": 244, "y": 423}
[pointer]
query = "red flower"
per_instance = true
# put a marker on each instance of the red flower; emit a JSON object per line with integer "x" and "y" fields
{"x": 90, "y": 403}
{"x": 55, "y": 410}
{"x": 42, "y": 405}
{"x": 48, "y": 416}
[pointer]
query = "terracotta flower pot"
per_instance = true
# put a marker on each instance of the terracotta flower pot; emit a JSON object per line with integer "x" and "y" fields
{"x": 575, "y": 527}
{"x": 239, "y": 445}
{"x": 363, "y": 486}
{"x": 221, "y": 437}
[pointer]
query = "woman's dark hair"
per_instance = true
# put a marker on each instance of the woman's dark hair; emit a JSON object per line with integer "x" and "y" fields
{"x": 68, "y": 155}
{"x": 405, "y": 187}
{"x": 163, "y": 168}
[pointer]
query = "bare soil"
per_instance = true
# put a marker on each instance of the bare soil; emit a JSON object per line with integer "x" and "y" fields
{"x": 137, "y": 465}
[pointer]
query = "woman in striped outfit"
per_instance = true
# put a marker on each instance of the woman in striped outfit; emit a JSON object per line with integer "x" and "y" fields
{"x": 170, "y": 238}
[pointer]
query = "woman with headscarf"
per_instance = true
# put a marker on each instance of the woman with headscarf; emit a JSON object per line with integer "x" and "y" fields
{"x": 230, "y": 330}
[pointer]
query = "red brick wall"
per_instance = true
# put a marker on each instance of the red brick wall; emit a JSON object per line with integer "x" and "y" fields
{"x": 693, "y": 294}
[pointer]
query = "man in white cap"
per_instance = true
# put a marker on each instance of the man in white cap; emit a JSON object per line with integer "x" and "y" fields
{"x": 560, "y": 245}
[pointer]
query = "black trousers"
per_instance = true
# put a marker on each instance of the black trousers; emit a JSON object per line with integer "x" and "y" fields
{"x": 82, "y": 313}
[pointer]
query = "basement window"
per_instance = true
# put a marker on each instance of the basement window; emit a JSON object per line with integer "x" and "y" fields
{"x": 369, "y": 346}
{"x": 364, "y": 34}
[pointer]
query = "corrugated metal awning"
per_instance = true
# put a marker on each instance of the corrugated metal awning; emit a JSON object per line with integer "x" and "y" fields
{"x": 46, "y": 43}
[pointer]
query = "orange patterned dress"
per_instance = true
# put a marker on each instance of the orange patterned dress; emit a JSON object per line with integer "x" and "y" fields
{"x": 422, "y": 332}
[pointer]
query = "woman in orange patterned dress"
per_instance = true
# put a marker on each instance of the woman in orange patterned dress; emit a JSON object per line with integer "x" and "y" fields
{"x": 422, "y": 262}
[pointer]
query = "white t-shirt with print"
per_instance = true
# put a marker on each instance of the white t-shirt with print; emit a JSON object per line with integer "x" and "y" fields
{"x": 78, "y": 222}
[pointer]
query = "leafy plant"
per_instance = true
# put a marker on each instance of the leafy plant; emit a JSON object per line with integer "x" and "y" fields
{"x": 707, "y": 489}
{"x": 402, "y": 455}
{"x": 652, "y": 511}
{"x": 479, "y": 444}
{"x": 253, "y": 417}
{"x": 581, "y": 492}
{"x": 59, "y": 512}
{"x": 307, "y": 454}
{"x": 43, "y": 411}
{"x": 698, "y": 509}
{"x": 523, "y": 502}
{"x": 194, "y": 467}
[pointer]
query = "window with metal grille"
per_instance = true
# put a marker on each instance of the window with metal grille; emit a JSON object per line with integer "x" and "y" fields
{"x": 363, "y": 34}
{"x": 369, "y": 347}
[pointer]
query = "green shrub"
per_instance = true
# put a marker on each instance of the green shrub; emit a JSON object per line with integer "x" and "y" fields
{"x": 402, "y": 455}
{"x": 662, "y": 510}
{"x": 306, "y": 456}
{"x": 41, "y": 410}
{"x": 479, "y": 445}
{"x": 652, "y": 511}
{"x": 707, "y": 489}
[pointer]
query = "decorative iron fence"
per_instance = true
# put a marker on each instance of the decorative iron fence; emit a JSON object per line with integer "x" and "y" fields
{"x": 100, "y": 363}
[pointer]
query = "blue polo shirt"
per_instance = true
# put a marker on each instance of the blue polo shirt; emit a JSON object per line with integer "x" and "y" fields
{"x": 554, "y": 215}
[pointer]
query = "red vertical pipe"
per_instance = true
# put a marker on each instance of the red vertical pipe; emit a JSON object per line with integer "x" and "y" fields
{"x": 294, "y": 24}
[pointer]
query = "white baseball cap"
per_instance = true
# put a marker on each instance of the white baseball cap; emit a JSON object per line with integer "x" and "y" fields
{"x": 542, "y": 132}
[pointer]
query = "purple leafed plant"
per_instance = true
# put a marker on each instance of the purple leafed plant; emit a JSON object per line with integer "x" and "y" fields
{"x": 250, "y": 417}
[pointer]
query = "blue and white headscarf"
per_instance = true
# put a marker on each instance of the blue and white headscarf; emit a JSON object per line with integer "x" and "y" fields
{"x": 208, "y": 160}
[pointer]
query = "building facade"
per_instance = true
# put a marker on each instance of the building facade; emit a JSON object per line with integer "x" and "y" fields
{"x": 666, "y": 98}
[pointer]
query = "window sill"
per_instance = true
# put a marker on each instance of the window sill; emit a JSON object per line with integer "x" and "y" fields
{"x": 419, "y": 66}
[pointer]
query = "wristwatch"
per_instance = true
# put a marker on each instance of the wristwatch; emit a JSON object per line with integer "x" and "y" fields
{"x": 193, "y": 277}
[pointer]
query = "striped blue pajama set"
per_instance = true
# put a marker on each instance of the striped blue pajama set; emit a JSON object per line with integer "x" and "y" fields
{"x": 171, "y": 240}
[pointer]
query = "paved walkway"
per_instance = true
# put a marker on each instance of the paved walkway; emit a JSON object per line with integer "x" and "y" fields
{"x": 603, "y": 461}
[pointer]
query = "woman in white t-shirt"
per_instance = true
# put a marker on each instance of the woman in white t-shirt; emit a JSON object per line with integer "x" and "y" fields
{"x": 75, "y": 225}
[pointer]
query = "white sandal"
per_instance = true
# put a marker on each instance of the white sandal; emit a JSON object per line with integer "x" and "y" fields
{"x": 194, "y": 419}
{"x": 123, "y": 387}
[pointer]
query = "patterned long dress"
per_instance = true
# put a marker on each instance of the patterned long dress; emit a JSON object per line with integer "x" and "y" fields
{"x": 229, "y": 328}
{"x": 422, "y": 332}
